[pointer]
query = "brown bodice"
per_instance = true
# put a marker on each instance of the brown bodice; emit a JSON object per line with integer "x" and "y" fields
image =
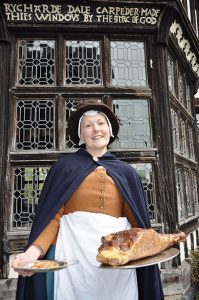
{"x": 96, "y": 194}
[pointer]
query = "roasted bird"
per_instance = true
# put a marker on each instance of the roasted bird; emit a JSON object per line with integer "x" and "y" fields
{"x": 123, "y": 246}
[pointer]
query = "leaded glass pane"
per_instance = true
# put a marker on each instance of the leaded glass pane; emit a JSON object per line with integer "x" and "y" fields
{"x": 180, "y": 194}
{"x": 35, "y": 125}
{"x": 128, "y": 64}
{"x": 36, "y": 62}
{"x": 197, "y": 120}
{"x": 83, "y": 62}
{"x": 175, "y": 131}
{"x": 28, "y": 183}
{"x": 135, "y": 124}
{"x": 70, "y": 105}
{"x": 191, "y": 144}
{"x": 181, "y": 92}
{"x": 147, "y": 177}
{"x": 188, "y": 192}
{"x": 170, "y": 72}
{"x": 188, "y": 98}
{"x": 195, "y": 192}
{"x": 184, "y": 148}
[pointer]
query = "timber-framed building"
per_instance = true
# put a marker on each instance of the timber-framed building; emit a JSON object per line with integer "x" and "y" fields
{"x": 139, "y": 57}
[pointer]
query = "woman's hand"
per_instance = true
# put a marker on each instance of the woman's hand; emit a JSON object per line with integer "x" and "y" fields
{"x": 30, "y": 255}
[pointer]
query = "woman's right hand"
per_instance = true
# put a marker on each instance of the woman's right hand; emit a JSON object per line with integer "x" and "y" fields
{"x": 30, "y": 255}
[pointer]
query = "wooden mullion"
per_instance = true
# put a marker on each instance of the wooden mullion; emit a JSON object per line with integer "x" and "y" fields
{"x": 60, "y": 130}
{"x": 60, "y": 61}
{"x": 106, "y": 62}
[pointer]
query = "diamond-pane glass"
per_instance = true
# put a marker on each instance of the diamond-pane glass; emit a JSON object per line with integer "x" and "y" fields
{"x": 36, "y": 62}
{"x": 83, "y": 62}
{"x": 147, "y": 177}
{"x": 35, "y": 125}
{"x": 128, "y": 64}
{"x": 28, "y": 183}
{"x": 170, "y": 72}
{"x": 135, "y": 124}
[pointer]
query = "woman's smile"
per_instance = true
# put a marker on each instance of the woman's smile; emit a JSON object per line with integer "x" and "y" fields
{"x": 98, "y": 137}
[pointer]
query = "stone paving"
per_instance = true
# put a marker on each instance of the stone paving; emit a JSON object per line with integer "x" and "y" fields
{"x": 8, "y": 289}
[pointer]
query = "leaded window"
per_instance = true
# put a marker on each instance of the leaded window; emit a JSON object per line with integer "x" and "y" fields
{"x": 128, "y": 64}
{"x": 34, "y": 125}
{"x": 83, "y": 62}
{"x": 191, "y": 143}
{"x": 175, "y": 131}
{"x": 170, "y": 72}
{"x": 188, "y": 98}
{"x": 65, "y": 71}
{"x": 188, "y": 193}
{"x": 184, "y": 148}
{"x": 195, "y": 192}
{"x": 135, "y": 126}
{"x": 181, "y": 86}
{"x": 28, "y": 183}
{"x": 182, "y": 134}
{"x": 187, "y": 143}
{"x": 197, "y": 123}
{"x": 70, "y": 106}
{"x": 184, "y": 96}
{"x": 192, "y": 10}
{"x": 145, "y": 172}
{"x": 36, "y": 62}
{"x": 180, "y": 194}
{"x": 183, "y": 129}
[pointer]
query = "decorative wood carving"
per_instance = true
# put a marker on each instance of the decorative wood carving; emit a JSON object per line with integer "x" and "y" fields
{"x": 184, "y": 44}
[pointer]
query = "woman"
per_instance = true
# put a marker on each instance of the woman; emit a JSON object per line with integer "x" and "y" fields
{"x": 86, "y": 195}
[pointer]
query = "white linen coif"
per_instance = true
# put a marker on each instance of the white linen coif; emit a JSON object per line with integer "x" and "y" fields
{"x": 93, "y": 113}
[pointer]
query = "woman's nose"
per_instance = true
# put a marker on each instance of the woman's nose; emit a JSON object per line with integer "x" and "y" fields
{"x": 96, "y": 127}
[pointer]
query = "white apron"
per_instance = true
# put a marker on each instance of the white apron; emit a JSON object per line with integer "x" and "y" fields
{"x": 79, "y": 238}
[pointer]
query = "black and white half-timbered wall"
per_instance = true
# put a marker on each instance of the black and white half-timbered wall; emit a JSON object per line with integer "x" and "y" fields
{"x": 139, "y": 57}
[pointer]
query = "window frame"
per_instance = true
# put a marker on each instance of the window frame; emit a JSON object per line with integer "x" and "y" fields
{"x": 60, "y": 93}
{"x": 183, "y": 161}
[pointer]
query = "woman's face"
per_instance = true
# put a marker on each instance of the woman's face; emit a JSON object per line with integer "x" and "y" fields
{"x": 95, "y": 133}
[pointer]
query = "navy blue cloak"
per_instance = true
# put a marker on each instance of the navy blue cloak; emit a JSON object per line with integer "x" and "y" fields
{"x": 63, "y": 179}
